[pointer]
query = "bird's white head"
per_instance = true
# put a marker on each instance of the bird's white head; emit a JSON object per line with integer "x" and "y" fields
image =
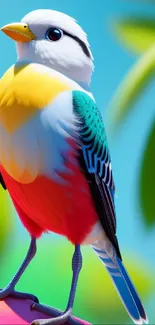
{"x": 54, "y": 39}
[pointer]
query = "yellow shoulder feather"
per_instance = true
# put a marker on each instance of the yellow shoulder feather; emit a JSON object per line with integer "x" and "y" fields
{"x": 23, "y": 91}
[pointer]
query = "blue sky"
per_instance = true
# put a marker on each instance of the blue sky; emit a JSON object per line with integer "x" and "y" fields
{"x": 111, "y": 62}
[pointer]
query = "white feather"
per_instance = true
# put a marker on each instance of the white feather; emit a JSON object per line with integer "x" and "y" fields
{"x": 40, "y": 145}
{"x": 65, "y": 55}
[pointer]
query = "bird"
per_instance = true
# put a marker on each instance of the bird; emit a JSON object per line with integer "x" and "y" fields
{"x": 54, "y": 156}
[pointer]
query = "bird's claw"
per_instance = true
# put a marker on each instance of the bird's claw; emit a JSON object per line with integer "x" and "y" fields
{"x": 11, "y": 292}
{"x": 4, "y": 293}
{"x": 24, "y": 295}
{"x": 53, "y": 312}
{"x": 61, "y": 319}
{"x": 58, "y": 316}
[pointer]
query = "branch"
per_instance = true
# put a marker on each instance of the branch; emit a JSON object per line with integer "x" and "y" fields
{"x": 18, "y": 312}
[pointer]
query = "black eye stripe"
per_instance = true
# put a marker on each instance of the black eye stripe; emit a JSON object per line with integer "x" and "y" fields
{"x": 80, "y": 42}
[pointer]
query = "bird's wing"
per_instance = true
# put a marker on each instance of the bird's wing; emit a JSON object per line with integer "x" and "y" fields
{"x": 95, "y": 161}
{"x": 2, "y": 182}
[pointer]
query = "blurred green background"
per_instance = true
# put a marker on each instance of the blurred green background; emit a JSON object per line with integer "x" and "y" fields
{"x": 122, "y": 38}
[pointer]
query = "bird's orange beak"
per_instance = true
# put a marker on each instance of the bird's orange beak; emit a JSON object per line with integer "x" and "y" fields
{"x": 19, "y": 32}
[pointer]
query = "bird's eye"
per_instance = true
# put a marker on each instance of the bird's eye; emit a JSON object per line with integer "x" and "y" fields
{"x": 54, "y": 34}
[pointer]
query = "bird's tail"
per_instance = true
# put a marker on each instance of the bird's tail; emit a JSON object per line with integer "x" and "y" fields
{"x": 122, "y": 282}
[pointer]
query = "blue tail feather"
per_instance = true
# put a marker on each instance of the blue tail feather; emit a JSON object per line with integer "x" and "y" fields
{"x": 123, "y": 284}
{"x": 133, "y": 291}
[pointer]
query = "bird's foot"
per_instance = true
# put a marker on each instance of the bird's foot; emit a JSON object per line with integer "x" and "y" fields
{"x": 11, "y": 292}
{"x": 58, "y": 316}
{"x": 62, "y": 319}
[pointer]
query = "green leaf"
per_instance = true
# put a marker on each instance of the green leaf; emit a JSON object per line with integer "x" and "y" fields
{"x": 147, "y": 179}
{"x": 131, "y": 88}
{"x": 137, "y": 34}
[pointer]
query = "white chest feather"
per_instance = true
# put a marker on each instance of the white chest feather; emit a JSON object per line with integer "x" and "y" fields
{"x": 39, "y": 146}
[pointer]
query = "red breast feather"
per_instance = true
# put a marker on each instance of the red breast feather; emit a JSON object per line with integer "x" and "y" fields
{"x": 45, "y": 205}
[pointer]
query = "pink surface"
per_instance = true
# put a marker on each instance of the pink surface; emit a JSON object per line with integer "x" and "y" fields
{"x": 17, "y": 311}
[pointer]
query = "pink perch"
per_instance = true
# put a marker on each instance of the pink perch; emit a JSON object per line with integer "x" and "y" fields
{"x": 17, "y": 312}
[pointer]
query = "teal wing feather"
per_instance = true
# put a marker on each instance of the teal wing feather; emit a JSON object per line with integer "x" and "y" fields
{"x": 95, "y": 161}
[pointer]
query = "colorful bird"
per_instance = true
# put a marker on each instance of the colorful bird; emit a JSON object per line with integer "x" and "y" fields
{"x": 54, "y": 155}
